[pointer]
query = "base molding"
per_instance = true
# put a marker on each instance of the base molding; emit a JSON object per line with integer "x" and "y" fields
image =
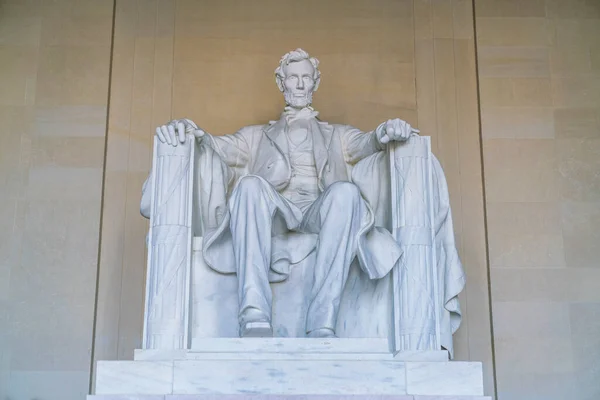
{"x": 284, "y": 368}
{"x": 279, "y": 397}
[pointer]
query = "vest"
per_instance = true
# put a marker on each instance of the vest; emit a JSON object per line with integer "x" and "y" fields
{"x": 303, "y": 188}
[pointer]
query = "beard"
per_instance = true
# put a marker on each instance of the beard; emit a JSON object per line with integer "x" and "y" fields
{"x": 298, "y": 102}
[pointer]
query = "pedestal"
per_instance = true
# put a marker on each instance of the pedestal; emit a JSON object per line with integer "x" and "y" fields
{"x": 283, "y": 367}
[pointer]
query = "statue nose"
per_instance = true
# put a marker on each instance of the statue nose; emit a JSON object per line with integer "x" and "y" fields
{"x": 300, "y": 84}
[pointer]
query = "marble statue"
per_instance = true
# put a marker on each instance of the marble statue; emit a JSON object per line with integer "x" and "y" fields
{"x": 268, "y": 196}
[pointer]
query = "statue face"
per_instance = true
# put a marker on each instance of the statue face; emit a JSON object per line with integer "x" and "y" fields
{"x": 299, "y": 83}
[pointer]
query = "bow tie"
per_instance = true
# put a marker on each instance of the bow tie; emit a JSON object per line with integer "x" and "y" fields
{"x": 292, "y": 114}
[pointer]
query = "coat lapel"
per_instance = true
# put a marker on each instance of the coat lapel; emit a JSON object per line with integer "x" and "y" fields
{"x": 322, "y": 134}
{"x": 275, "y": 132}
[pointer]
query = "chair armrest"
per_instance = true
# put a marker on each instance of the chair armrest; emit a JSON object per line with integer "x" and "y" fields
{"x": 414, "y": 278}
{"x": 170, "y": 187}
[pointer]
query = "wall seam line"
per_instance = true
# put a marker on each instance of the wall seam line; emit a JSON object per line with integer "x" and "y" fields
{"x": 102, "y": 189}
{"x": 485, "y": 219}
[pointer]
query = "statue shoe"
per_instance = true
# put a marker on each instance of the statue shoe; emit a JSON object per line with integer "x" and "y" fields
{"x": 256, "y": 329}
{"x": 322, "y": 333}
{"x": 254, "y": 323}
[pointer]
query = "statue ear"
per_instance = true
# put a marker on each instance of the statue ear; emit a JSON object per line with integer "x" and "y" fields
{"x": 279, "y": 81}
{"x": 317, "y": 82}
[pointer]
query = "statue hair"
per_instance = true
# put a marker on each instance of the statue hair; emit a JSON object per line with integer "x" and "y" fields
{"x": 295, "y": 56}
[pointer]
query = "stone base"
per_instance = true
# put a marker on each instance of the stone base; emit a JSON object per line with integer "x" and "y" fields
{"x": 282, "y": 366}
{"x": 277, "y": 397}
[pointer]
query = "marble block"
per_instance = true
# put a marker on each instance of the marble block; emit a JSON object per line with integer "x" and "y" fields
{"x": 124, "y": 397}
{"x": 425, "y": 355}
{"x": 444, "y": 378}
{"x": 301, "y": 376}
{"x": 292, "y": 345}
{"x": 288, "y": 366}
{"x": 289, "y": 349}
{"x": 448, "y": 398}
{"x": 286, "y": 397}
{"x": 134, "y": 377}
{"x": 317, "y": 397}
{"x": 282, "y": 397}
{"x": 289, "y": 377}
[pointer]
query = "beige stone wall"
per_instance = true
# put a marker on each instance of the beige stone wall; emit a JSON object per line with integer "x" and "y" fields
{"x": 214, "y": 61}
{"x": 539, "y": 71}
{"x": 539, "y": 75}
{"x": 54, "y": 65}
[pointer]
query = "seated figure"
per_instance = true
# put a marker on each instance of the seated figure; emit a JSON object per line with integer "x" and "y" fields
{"x": 272, "y": 194}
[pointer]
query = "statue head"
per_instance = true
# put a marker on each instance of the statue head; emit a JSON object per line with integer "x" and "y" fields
{"x": 298, "y": 76}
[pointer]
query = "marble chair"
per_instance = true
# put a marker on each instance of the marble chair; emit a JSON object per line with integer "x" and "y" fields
{"x": 186, "y": 301}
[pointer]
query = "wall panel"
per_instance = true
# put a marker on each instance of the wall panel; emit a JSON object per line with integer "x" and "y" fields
{"x": 54, "y": 67}
{"x": 539, "y": 103}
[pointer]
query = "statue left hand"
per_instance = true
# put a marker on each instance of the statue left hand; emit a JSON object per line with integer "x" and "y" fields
{"x": 394, "y": 129}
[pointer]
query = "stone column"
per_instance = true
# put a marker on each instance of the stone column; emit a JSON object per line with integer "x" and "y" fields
{"x": 166, "y": 317}
{"x": 414, "y": 278}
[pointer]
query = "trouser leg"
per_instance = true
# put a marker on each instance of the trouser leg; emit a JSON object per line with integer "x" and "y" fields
{"x": 337, "y": 214}
{"x": 250, "y": 225}
{"x": 252, "y": 206}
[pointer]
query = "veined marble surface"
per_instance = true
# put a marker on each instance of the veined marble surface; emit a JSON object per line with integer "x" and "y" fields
{"x": 303, "y": 375}
{"x": 289, "y": 377}
{"x": 294, "y": 345}
{"x": 126, "y": 397}
{"x": 289, "y": 349}
{"x": 464, "y": 378}
{"x": 134, "y": 377}
{"x": 282, "y": 397}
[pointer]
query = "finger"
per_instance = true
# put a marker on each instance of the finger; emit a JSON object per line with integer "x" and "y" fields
{"x": 165, "y": 132}
{"x": 172, "y": 135}
{"x": 385, "y": 139}
{"x": 415, "y": 130}
{"x": 389, "y": 127}
{"x": 160, "y": 135}
{"x": 191, "y": 125}
{"x": 380, "y": 130}
{"x": 181, "y": 132}
{"x": 199, "y": 133}
{"x": 397, "y": 128}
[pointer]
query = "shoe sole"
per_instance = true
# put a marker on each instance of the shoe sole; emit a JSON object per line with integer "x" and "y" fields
{"x": 256, "y": 329}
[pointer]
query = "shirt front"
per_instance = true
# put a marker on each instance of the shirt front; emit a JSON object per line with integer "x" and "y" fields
{"x": 303, "y": 188}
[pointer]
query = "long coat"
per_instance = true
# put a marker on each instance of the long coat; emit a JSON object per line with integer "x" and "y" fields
{"x": 263, "y": 151}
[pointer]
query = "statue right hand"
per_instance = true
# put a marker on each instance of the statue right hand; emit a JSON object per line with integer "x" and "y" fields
{"x": 175, "y": 131}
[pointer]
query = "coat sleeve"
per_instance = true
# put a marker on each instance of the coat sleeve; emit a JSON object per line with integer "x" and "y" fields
{"x": 358, "y": 145}
{"x": 234, "y": 149}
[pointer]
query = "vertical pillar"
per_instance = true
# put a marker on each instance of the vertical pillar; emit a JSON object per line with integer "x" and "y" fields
{"x": 166, "y": 317}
